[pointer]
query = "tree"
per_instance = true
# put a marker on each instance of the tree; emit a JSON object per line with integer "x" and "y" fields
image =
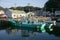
{"x": 52, "y": 4}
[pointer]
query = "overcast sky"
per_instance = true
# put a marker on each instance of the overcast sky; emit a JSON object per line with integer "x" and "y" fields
{"x": 10, "y": 3}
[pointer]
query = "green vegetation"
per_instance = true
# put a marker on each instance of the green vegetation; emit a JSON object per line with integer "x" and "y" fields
{"x": 52, "y": 5}
{"x": 26, "y": 8}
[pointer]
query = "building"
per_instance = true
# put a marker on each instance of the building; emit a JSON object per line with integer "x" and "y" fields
{"x": 38, "y": 12}
{"x": 30, "y": 14}
{"x": 57, "y": 16}
{"x": 16, "y": 14}
{"x": 8, "y": 13}
{"x": 57, "y": 13}
{"x": 42, "y": 13}
{"x": 2, "y": 13}
{"x": 5, "y": 13}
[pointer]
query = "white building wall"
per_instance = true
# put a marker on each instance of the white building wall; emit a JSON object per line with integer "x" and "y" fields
{"x": 18, "y": 15}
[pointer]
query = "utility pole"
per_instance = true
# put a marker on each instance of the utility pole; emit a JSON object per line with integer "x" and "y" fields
{"x": 52, "y": 11}
{"x": 15, "y": 4}
{"x": 45, "y": 11}
{"x": 29, "y": 5}
{"x": 0, "y": 2}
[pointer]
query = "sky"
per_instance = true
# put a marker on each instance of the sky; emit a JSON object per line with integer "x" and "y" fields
{"x": 15, "y": 3}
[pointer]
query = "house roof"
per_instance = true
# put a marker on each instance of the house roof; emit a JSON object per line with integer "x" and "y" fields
{"x": 1, "y": 8}
{"x": 17, "y": 11}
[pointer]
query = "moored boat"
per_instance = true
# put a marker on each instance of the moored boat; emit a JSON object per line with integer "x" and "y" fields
{"x": 31, "y": 26}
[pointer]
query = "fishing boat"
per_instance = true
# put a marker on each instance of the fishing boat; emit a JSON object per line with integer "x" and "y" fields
{"x": 31, "y": 26}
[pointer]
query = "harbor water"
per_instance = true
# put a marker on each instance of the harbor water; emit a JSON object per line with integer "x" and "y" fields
{"x": 22, "y": 34}
{"x": 15, "y": 34}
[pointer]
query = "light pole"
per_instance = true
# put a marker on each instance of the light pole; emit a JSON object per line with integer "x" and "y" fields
{"x": 0, "y": 2}
{"x": 29, "y": 5}
{"x": 15, "y": 5}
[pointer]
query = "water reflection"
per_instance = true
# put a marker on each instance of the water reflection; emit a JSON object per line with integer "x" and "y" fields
{"x": 56, "y": 31}
{"x": 26, "y": 33}
{"x": 19, "y": 34}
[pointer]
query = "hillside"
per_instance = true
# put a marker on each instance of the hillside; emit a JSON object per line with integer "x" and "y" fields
{"x": 52, "y": 5}
{"x": 26, "y": 8}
